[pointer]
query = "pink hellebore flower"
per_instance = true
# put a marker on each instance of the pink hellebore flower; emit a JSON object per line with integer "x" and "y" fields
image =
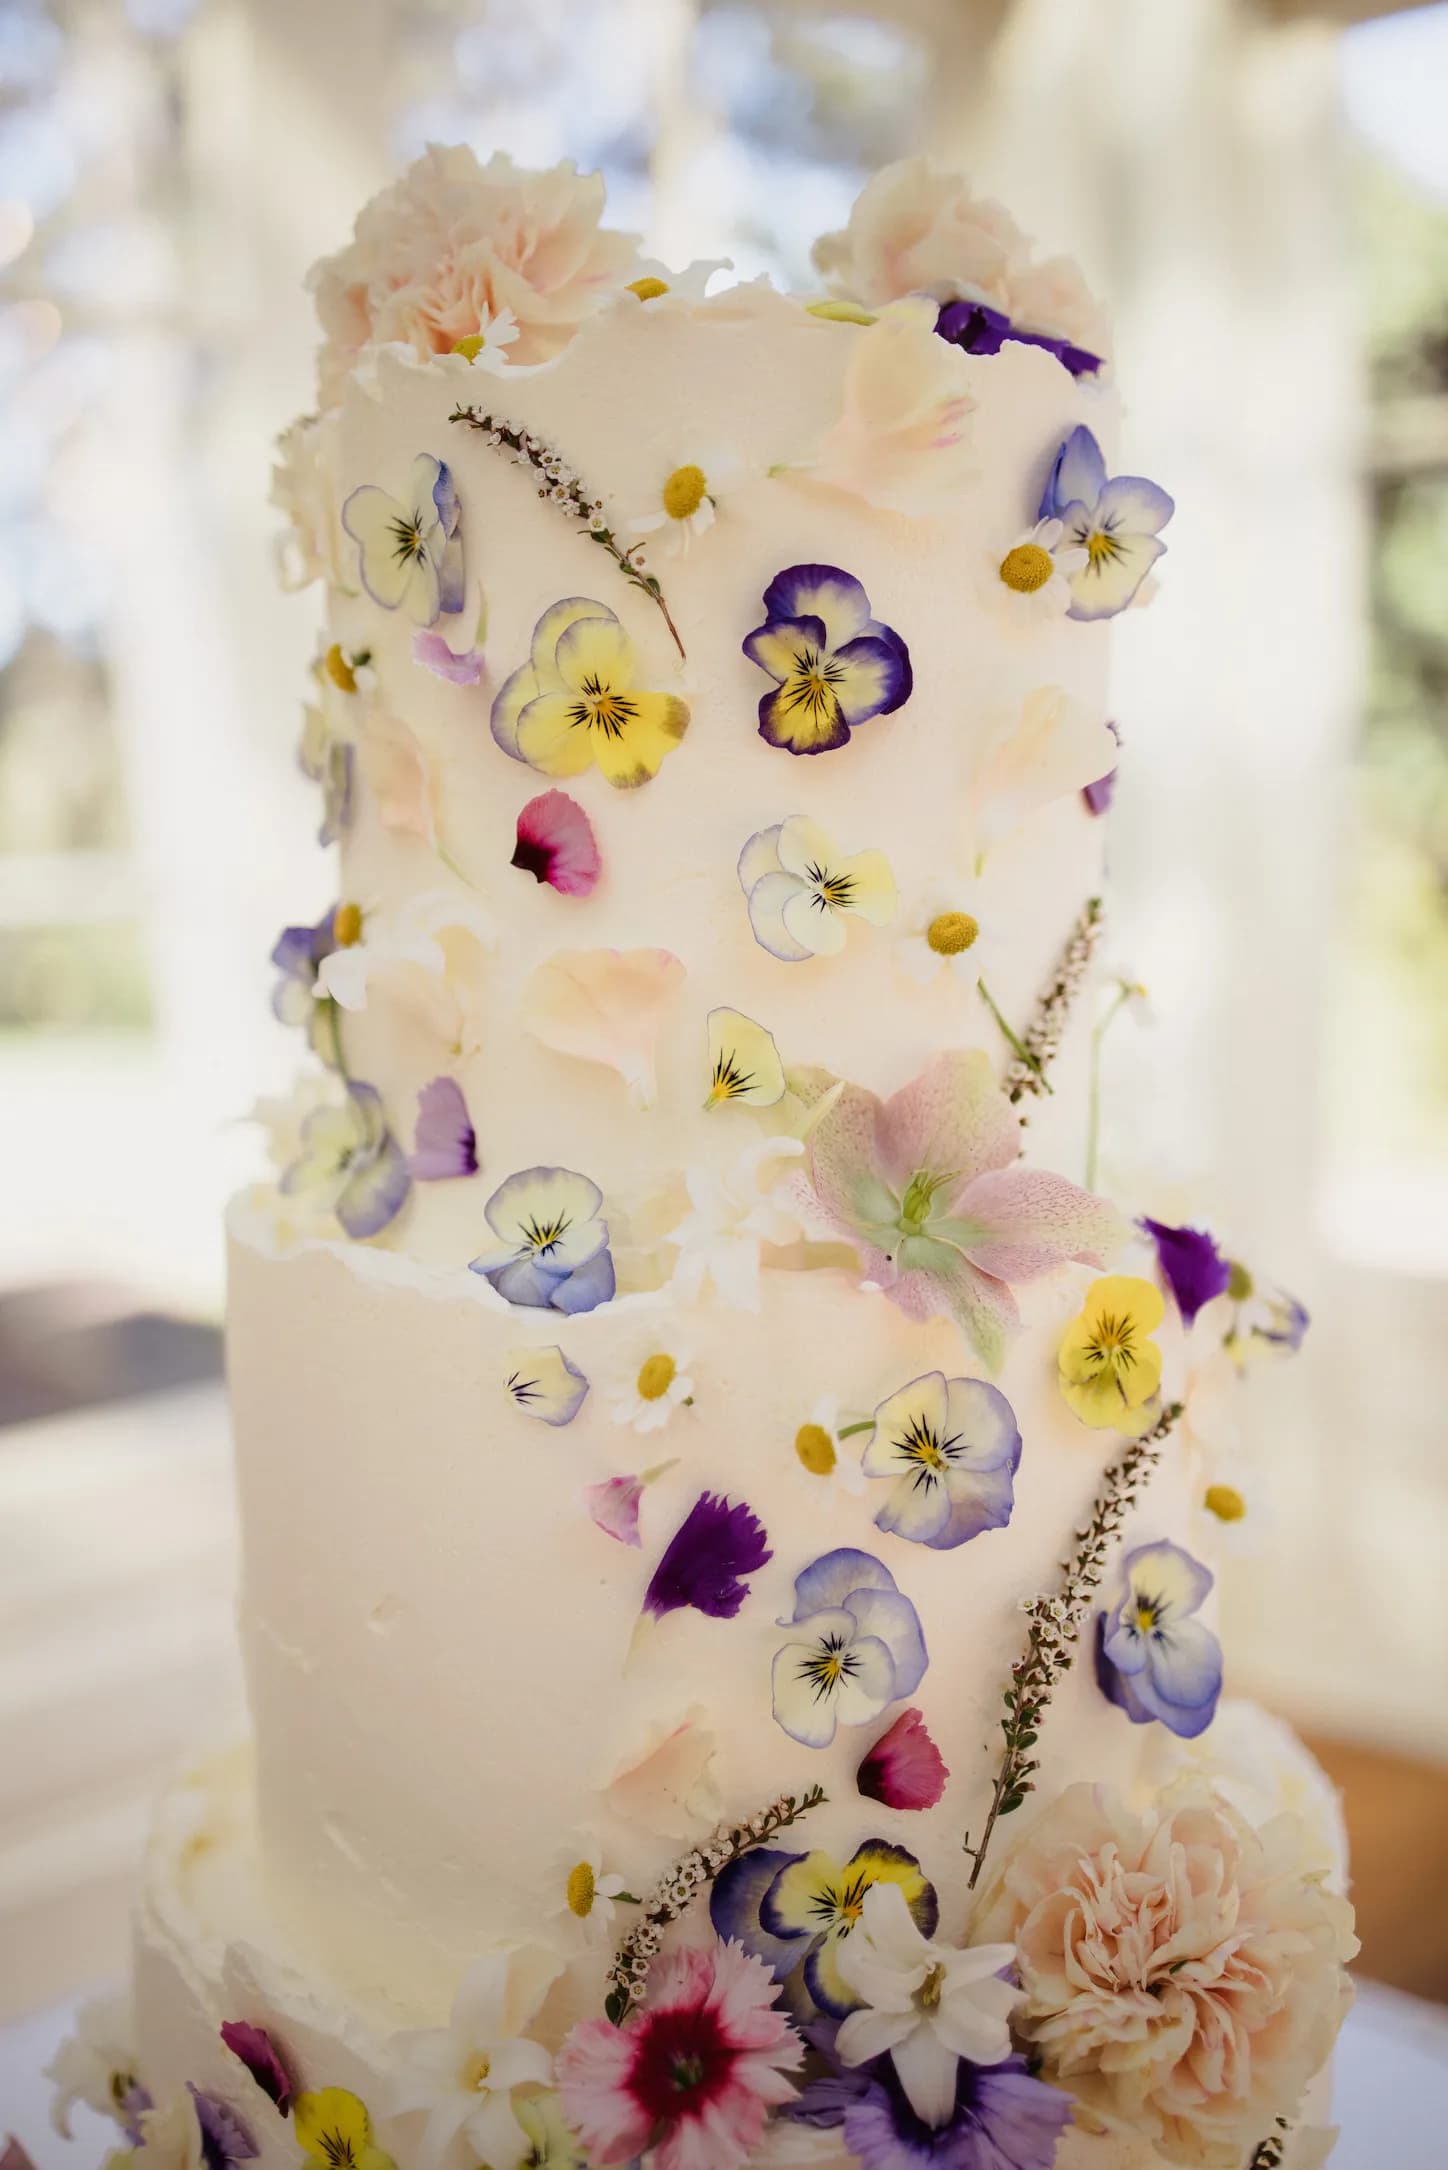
{"x": 927, "y": 1186}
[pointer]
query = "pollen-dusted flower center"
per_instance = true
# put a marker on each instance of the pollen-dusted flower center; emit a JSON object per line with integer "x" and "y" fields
{"x": 684, "y": 492}
{"x": 347, "y": 926}
{"x": 648, "y": 289}
{"x": 928, "y": 1995}
{"x": 656, "y": 1375}
{"x": 1225, "y": 1502}
{"x": 470, "y": 346}
{"x": 1027, "y": 568}
{"x": 815, "y": 1448}
{"x": 475, "y": 2073}
{"x": 581, "y": 1890}
{"x": 339, "y": 670}
{"x": 602, "y": 708}
{"x": 1102, "y": 548}
{"x": 950, "y": 934}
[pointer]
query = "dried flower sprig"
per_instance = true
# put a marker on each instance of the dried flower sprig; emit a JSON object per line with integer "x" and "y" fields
{"x": 1035, "y": 1049}
{"x": 1056, "y": 1621}
{"x": 560, "y": 485}
{"x": 680, "y": 1886}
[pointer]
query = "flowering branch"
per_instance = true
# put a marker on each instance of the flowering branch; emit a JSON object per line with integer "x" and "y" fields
{"x": 1056, "y": 1623}
{"x": 678, "y": 1888}
{"x": 1037, "y": 1046}
{"x": 560, "y": 486}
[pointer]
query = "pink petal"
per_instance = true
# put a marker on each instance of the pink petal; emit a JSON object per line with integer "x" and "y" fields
{"x": 556, "y": 844}
{"x": 433, "y": 652}
{"x": 952, "y": 1119}
{"x": 605, "y": 1006}
{"x": 256, "y": 2050}
{"x": 1037, "y": 1221}
{"x": 593, "y": 2070}
{"x": 398, "y": 778}
{"x": 842, "y": 1157}
{"x": 614, "y": 1506}
{"x": 904, "y": 1769}
{"x": 13, "y": 2156}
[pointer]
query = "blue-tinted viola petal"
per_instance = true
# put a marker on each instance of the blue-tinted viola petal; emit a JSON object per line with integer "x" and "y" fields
{"x": 827, "y": 1582}
{"x": 988, "y": 1505}
{"x": 587, "y": 1287}
{"x": 1077, "y": 474}
{"x": 1108, "y": 584}
{"x": 873, "y": 673}
{"x": 890, "y": 1618}
{"x": 1134, "y": 504}
{"x": 736, "y": 1898}
{"x": 825, "y": 592}
{"x": 521, "y": 1281}
{"x": 445, "y": 1144}
{"x": 1185, "y": 1664}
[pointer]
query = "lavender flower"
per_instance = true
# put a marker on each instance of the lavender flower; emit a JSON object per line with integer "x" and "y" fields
{"x": 714, "y": 1548}
{"x": 1003, "y": 2119}
{"x": 257, "y": 2051}
{"x": 445, "y": 1143}
{"x": 225, "y": 2140}
{"x": 1191, "y": 1265}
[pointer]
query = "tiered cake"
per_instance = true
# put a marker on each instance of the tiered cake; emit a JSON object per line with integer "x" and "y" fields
{"x": 690, "y": 1409}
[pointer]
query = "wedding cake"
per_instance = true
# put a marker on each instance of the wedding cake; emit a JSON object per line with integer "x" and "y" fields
{"x": 727, "y": 1506}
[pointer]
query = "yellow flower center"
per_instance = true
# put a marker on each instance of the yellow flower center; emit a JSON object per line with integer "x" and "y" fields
{"x": 656, "y": 1375}
{"x": 928, "y": 1995}
{"x": 339, "y": 670}
{"x": 1102, "y": 548}
{"x": 950, "y": 934}
{"x": 475, "y": 2074}
{"x": 1027, "y": 568}
{"x": 581, "y": 1891}
{"x": 469, "y": 347}
{"x": 648, "y": 289}
{"x": 815, "y": 1448}
{"x": 1239, "y": 1287}
{"x": 347, "y": 926}
{"x": 1225, "y": 1502}
{"x": 1145, "y": 1619}
{"x": 684, "y": 492}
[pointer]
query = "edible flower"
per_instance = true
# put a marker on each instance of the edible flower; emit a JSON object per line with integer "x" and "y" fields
{"x": 955, "y": 927}
{"x": 329, "y": 760}
{"x": 951, "y": 1448}
{"x": 649, "y": 1378}
{"x": 1050, "y": 746}
{"x": 461, "y": 2077}
{"x": 858, "y": 1647}
{"x": 456, "y": 668}
{"x": 97, "y": 2064}
{"x": 1154, "y": 1658}
{"x": 613, "y": 1505}
{"x": 333, "y": 2127}
{"x": 587, "y": 1892}
{"x": 445, "y": 1144}
{"x": 257, "y": 2051}
{"x": 902, "y": 439}
{"x": 1116, "y": 522}
{"x": 686, "y": 499}
{"x": 299, "y": 998}
{"x": 410, "y": 550}
{"x": 225, "y": 2137}
{"x": 543, "y": 1384}
{"x": 1109, "y": 1367}
{"x": 928, "y": 1188}
{"x": 744, "y": 1062}
{"x": 551, "y": 1249}
{"x": 732, "y": 1214}
{"x": 556, "y": 845}
{"x": 1033, "y": 578}
{"x": 552, "y": 2144}
{"x": 717, "y": 1545}
{"x": 350, "y": 1164}
{"x": 1265, "y": 1321}
{"x": 799, "y": 887}
{"x": 834, "y": 666}
{"x": 1191, "y": 1265}
{"x": 795, "y": 1912}
{"x": 1003, "y": 2118}
{"x": 1099, "y": 794}
{"x": 578, "y": 700}
{"x": 605, "y": 1006}
{"x": 904, "y": 1769}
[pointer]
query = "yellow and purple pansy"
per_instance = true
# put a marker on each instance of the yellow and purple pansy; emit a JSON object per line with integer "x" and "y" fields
{"x": 410, "y": 550}
{"x": 833, "y": 665}
{"x": 1154, "y": 1658}
{"x": 550, "y": 1248}
{"x": 793, "y": 1911}
{"x": 799, "y": 886}
{"x": 1116, "y": 520}
{"x": 951, "y": 1448}
{"x": 297, "y": 998}
{"x": 578, "y": 700}
{"x": 856, "y": 1646}
{"x": 350, "y": 1164}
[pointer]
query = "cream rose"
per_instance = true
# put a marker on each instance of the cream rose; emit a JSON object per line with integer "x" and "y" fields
{"x": 915, "y": 230}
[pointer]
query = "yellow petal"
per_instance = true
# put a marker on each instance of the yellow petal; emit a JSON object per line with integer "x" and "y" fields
{"x": 744, "y": 1062}
{"x": 605, "y": 1006}
{"x": 659, "y": 722}
{"x": 1121, "y": 1295}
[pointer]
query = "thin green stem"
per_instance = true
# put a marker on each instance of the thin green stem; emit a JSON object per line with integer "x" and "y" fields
{"x": 848, "y": 1431}
{"x": 1013, "y": 1041}
{"x": 1093, "y": 1091}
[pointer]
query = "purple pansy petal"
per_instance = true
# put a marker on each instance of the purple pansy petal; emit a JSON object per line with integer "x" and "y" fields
{"x": 1098, "y": 796}
{"x": 1078, "y": 474}
{"x": 736, "y": 1908}
{"x": 1025, "y": 1222}
{"x": 905, "y": 680}
{"x": 378, "y": 1190}
{"x": 1193, "y": 1268}
{"x": 521, "y": 1281}
{"x": 824, "y": 1585}
{"x": 224, "y": 2137}
{"x": 445, "y": 1144}
{"x": 776, "y": 647}
{"x": 257, "y": 2051}
{"x": 434, "y": 654}
{"x": 891, "y": 1619}
{"x": 587, "y": 1287}
{"x": 1133, "y": 503}
{"x": 823, "y": 592}
{"x": 875, "y": 671}
{"x": 556, "y": 844}
{"x": 718, "y": 1544}
{"x": 445, "y": 500}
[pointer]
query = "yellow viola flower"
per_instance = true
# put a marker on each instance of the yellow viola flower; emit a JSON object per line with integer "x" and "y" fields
{"x": 578, "y": 701}
{"x": 1110, "y": 1368}
{"x": 334, "y": 2129}
{"x": 744, "y": 1062}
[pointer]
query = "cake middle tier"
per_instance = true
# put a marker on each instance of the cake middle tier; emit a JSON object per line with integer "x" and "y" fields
{"x": 452, "y": 1693}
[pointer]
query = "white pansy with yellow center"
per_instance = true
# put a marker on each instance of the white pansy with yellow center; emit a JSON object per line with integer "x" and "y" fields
{"x": 1031, "y": 578}
{"x": 649, "y": 1377}
{"x": 462, "y": 2076}
{"x": 951, "y": 928}
{"x": 801, "y": 888}
{"x": 581, "y": 1894}
{"x": 685, "y": 498}
{"x": 744, "y": 1062}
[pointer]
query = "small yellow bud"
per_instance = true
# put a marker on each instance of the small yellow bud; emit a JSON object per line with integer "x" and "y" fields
{"x": 684, "y": 492}
{"x": 581, "y": 1890}
{"x": 339, "y": 670}
{"x": 815, "y": 1448}
{"x": 347, "y": 926}
{"x": 648, "y": 289}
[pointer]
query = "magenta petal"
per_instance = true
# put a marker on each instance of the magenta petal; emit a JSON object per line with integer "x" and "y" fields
{"x": 556, "y": 844}
{"x": 257, "y": 2051}
{"x": 614, "y": 1506}
{"x": 14, "y": 2156}
{"x": 433, "y": 652}
{"x": 445, "y": 1144}
{"x": 904, "y": 1769}
{"x": 1032, "y": 1221}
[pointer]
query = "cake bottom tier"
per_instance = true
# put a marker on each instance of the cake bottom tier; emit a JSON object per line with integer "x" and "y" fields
{"x": 209, "y": 1949}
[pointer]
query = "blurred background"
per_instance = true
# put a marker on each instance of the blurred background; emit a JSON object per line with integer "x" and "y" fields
{"x": 1260, "y": 187}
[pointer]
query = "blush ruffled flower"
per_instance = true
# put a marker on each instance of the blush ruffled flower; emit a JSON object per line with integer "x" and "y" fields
{"x": 915, "y": 230}
{"x": 447, "y": 250}
{"x": 693, "y": 2077}
{"x": 1182, "y": 1973}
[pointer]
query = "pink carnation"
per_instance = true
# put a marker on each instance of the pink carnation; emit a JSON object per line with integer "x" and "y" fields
{"x": 915, "y": 230}
{"x": 445, "y": 250}
{"x": 693, "y": 2077}
{"x": 904, "y": 1769}
{"x": 1182, "y": 1971}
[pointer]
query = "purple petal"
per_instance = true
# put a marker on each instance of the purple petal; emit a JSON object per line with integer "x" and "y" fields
{"x": 1078, "y": 475}
{"x": 257, "y": 2051}
{"x": 445, "y": 1143}
{"x": 224, "y": 2138}
{"x": 1098, "y": 796}
{"x": 1191, "y": 1265}
{"x": 717, "y": 1545}
{"x": 836, "y": 598}
{"x": 736, "y": 1902}
{"x": 586, "y": 1287}
{"x": 433, "y": 652}
{"x": 780, "y": 724}
{"x": 883, "y": 665}
{"x": 973, "y": 326}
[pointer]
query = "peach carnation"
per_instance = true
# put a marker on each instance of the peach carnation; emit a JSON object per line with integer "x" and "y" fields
{"x": 916, "y": 230}
{"x": 444, "y": 252}
{"x": 1182, "y": 1972}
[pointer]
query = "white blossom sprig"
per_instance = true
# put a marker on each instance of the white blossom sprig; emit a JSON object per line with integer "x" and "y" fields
{"x": 677, "y": 1889}
{"x": 1056, "y": 1619}
{"x": 1035, "y": 1049}
{"x": 560, "y": 485}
